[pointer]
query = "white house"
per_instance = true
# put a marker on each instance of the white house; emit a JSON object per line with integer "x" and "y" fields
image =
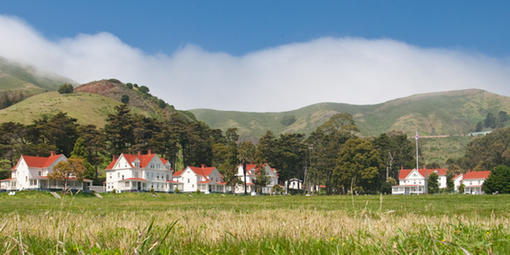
{"x": 251, "y": 174}
{"x": 457, "y": 181}
{"x": 139, "y": 172}
{"x": 31, "y": 173}
{"x": 205, "y": 179}
{"x": 412, "y": 181}
{"x": 473, "y": 181}
{"x": 294, "y": 183}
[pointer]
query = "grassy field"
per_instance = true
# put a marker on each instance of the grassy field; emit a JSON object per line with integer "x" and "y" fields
{"x": 37, "y": 223}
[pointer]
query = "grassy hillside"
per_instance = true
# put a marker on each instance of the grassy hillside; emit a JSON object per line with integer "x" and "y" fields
{"x": 90, "y": 104}
{"x": 444, "y": 113}
{"x": 86, "y": 107}
{"x": 18, "y": 82}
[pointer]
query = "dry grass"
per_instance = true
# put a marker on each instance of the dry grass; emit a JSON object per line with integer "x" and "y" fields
{"x": 367, "y": 229}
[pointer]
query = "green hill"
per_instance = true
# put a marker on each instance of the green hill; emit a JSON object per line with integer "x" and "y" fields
{"x": 88, "y": 108}
{"x": 452, "y": 113}
{"x": 18, "y": 82}
{"x": 90, "y": 104}
{"x": 442, "y": 113}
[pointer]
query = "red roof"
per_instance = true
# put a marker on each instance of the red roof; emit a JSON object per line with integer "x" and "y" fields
{"x": 40, "y": 162}
{"x": 424, "y": 172}
{"x": 203, "y": 171}
{"x": 144, "y": 159}
{"x": 174, "y": 182}
{"x": 250, "y": 167}
{"x": 476, "y": 175}
{"x": 8, "y": 179}
{"x": 178, "y": 173}
{"x": 204, "y": 182}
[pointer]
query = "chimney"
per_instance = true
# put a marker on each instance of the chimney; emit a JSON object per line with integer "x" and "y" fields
{"x": 139, "y": 153}
{"x": 149, "y": 152}
{"x": 203, "y": 166}
{"x": 52, "y": 153}
{"x": 114, "y": 157}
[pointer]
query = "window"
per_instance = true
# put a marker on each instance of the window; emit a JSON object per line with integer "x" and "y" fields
{"x": 122, "y": 177}
{"x": 39, "y": 173}
{"x": 118, "y": 175}
{"x": 188, "y": 180}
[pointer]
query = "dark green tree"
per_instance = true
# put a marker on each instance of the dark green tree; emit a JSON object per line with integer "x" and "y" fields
{"x": 357, "y": 169}
{"x": 433, "y": 183}
{"x": 124, "y": 99}
{"x": 119, "y": 130}
{"x": 498, "y": 181}
{"x": 66, "y": 89}
{"x": 490, "y": 121}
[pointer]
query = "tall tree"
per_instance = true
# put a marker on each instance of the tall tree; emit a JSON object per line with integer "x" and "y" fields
{"x": 119, "y": 130}
{"x": 358, "y": 165}
{"x": 326, "y": 141}
{"x": 433, "y": 183}
{"x": 246, "y": 153}
{"x": 498, "y": 181}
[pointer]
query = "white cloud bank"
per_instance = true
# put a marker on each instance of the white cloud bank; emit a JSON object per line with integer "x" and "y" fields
{"x": 347, "y": 70}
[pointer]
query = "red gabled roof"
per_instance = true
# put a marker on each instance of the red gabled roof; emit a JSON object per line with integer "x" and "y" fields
{"x": 178, "y": 173}
{"x": 144, "y": 159}
{"x": 203, "y": 171}
{"x": 476, "y": 175}
{"x": 424, "y": 172}
{"x": 250, "y": 167}
{"x": 40, "y": 162}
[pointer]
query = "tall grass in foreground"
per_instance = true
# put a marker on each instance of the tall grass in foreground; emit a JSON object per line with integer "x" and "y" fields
{"x": 180, "y": 224}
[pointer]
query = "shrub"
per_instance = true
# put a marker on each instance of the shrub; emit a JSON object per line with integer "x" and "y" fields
{"x": 461, "y": 189}
{"x": 177, "y": 190}
{"x": 114, "y": 81}
{"x": 198, "y": 191}
{"x": 161, "y": 103}
{"x": 124, "y": 99}
{"x": 287, "y": 120}
{"x": 129, "y": 85}
{"x": 143, "y": 89}
{"x": 66, "y": 89}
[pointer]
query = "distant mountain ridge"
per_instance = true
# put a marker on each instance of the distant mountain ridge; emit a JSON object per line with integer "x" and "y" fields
{"x": 439, "y": 113}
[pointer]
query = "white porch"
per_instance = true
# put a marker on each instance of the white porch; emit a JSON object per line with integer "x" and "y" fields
{"x": 407, "y": 189}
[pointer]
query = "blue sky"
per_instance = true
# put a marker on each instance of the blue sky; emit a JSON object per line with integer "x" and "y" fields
{"x": 239, "y": 27}
{"x": 266, "y": 55}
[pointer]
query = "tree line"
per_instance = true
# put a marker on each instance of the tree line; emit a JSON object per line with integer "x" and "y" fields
{"x": 334, "y": 155}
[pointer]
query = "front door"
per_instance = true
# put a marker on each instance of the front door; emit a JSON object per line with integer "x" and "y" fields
{"x": 139, "y": 186}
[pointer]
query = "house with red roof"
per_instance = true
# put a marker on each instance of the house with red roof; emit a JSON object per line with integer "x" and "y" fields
{"x": 472, "y": 181}
{"x": 31, "y": 173}
{"x": 251, "y": 174}
{"x": 203, "y": 179}
{"x": 412, "y": 181}
{"x": 139, "y": 172}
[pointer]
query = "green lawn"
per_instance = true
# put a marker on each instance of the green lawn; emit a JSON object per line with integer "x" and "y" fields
{"x": 35, "y": 222}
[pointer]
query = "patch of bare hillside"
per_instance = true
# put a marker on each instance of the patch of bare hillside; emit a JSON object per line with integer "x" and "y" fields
{"x": 137, "y": 98}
